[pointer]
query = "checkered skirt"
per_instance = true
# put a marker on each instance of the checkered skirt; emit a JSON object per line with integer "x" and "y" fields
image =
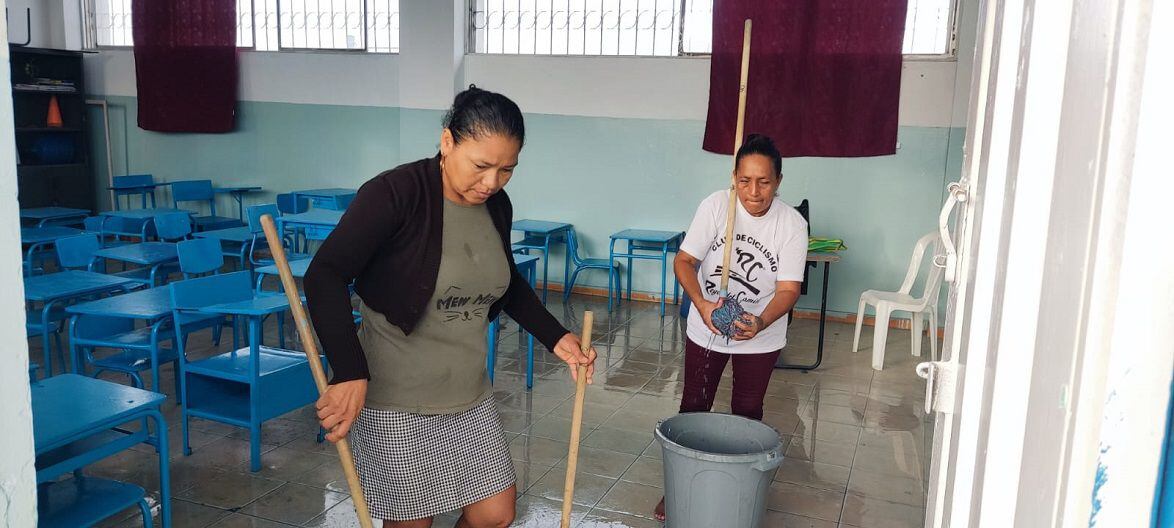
{"x": 414, "y": 466}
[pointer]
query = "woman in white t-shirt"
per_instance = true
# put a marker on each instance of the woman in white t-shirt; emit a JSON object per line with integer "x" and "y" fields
{"x": 766, "y": 272}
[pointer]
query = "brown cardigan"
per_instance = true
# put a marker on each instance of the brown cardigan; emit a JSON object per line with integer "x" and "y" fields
{"x": 388, "y": 243}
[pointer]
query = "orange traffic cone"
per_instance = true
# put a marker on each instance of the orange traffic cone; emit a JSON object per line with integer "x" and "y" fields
{"x": 54, "y": 119}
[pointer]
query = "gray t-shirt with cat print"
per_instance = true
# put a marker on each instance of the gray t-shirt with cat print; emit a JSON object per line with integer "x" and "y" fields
{"x": 440, "y": 367}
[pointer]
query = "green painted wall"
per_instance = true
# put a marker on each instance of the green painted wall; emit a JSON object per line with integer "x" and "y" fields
{"x": 600, "y": 174}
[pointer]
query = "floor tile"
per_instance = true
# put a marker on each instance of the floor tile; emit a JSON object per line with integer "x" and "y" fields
{"x": 808, "y": 502}
{"x": 889, "y": 462}
{"x": 540, "y": 512}
{"x": 588, "y": 488}
{"x": 647, "y": 471}
{"x": 813, "y": 474}
{"x": 887, "y": 488}
{"x": 856, "y": 439}
{"x": 238, "y": 520}
{"x": 630, "y": 442}
{"x": 535, "y": 450}
{"x": 774, "y": 519}
{"x": 631, "y": 499}
{"x": 602, "y": 462}
{"x": 863, "y": 512}
{"x": 228, "y": 489}
{"x": 604, "y": 519}
{"x": 293, "y": 504}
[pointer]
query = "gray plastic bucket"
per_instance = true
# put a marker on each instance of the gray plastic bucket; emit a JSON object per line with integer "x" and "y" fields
{"x": 717, "y": 469}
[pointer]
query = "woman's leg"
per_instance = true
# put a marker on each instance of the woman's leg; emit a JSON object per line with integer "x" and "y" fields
{"x": 751, "y": 376}
{"x": 495, "y": 512}
{"x": 703, "y": 373}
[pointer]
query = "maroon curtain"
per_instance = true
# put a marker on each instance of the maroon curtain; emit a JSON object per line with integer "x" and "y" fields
{"x": 825, "y": 75}
{"x": 186, "y": 64}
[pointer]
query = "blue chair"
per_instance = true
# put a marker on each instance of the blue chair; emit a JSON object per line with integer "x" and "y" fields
{"x": 35, "y": 323}
{"x": 77, "y": 253}
{"x": 96, "y": 225}
{"x": 131, "y": 185}
{"x": 290, "y": 203}
{"x": 200, "y": 256}
{"x": 173, "y": 227}
{"x": 242, "y": 387}
{"x": 254, "y": 213}
{"x": 112, "y": 228}
{"x": 83, "y": 500}
{"x": 613, "y": 268}
{"x": 201, "y": 191}
{"x": 135, "y": 350}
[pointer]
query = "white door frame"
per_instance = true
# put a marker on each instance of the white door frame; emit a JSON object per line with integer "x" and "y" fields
{"x": 1033, "y": 320}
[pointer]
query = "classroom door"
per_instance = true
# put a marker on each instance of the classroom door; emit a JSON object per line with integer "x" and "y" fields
{"x": 1052, "y": 388}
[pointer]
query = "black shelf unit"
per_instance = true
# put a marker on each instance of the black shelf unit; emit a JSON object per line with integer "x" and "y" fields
{"x": 54, "y": 165}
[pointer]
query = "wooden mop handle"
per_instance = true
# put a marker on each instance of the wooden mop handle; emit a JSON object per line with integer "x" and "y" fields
{"x": 725, "y": 281}
{"x": 303, "y": 324}
{"x": 576, "y": 421}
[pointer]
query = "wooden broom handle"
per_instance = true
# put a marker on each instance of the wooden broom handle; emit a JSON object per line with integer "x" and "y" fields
{"x": 725, "y": 281}
{"x": 311, "y": 346}
{"x": 576, "y": 421}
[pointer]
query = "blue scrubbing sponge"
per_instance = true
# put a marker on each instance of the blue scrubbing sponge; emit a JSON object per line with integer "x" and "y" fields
{"x": 724, "y": 316}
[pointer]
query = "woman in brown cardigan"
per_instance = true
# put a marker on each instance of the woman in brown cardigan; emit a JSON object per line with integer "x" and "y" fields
{"x": 427, "y": 245}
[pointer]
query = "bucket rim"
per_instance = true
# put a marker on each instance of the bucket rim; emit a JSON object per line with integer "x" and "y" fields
{"x": 746, "y": 458}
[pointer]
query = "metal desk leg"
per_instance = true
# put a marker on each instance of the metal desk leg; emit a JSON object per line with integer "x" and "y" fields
{"x": 664, "y": 264}
{"x": 162, "y": 448}
{"x": 545, "y": 267}
{"x": 611, "y": 257}
{"x": 631, "y": 271}
{"x": 823, "y": 310}
{"x": 530, "y": 342}
{"x": 566, "y": 259}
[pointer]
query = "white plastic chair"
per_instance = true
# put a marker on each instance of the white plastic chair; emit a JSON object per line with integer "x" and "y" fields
{"x": 924, "y": 306}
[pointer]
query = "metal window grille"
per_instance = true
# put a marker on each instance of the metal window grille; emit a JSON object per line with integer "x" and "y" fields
{"x": 647, "y": 27}
{"x": 272, "y": 25}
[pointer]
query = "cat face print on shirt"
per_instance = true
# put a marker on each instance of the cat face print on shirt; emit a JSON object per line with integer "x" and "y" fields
{"x": 455, "y": 307}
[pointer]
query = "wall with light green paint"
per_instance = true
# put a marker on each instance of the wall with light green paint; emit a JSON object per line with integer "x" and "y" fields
{"x": 278, "y": 146}
{"x": 600, "y": 174}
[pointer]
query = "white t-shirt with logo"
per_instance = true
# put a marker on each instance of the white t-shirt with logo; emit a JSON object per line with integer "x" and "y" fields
{"x": 767, "y": 249}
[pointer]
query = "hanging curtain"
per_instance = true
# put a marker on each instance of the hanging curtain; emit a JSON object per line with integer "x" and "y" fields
{"x": 824, "y": 80}
{"x": 186, "y": 64}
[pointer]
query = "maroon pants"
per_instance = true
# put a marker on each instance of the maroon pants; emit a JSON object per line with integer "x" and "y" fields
{"x": 703, "y": 372}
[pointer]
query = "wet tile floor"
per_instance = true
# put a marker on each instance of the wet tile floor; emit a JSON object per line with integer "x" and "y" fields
{"x": 856, "y": 456}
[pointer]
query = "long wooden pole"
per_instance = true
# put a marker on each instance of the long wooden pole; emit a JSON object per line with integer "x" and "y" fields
{"x": 311, "y": 346}
{"x": 576, "y": 422}
{"x": 742, "y": 80}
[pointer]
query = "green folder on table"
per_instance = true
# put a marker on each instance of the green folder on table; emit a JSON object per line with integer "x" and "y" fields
{"x": 825, "y": 245}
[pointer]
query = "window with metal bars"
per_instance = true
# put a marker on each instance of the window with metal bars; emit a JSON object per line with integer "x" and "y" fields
{"x": 648, "y": 27}
{"x": 274, "y": 25}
